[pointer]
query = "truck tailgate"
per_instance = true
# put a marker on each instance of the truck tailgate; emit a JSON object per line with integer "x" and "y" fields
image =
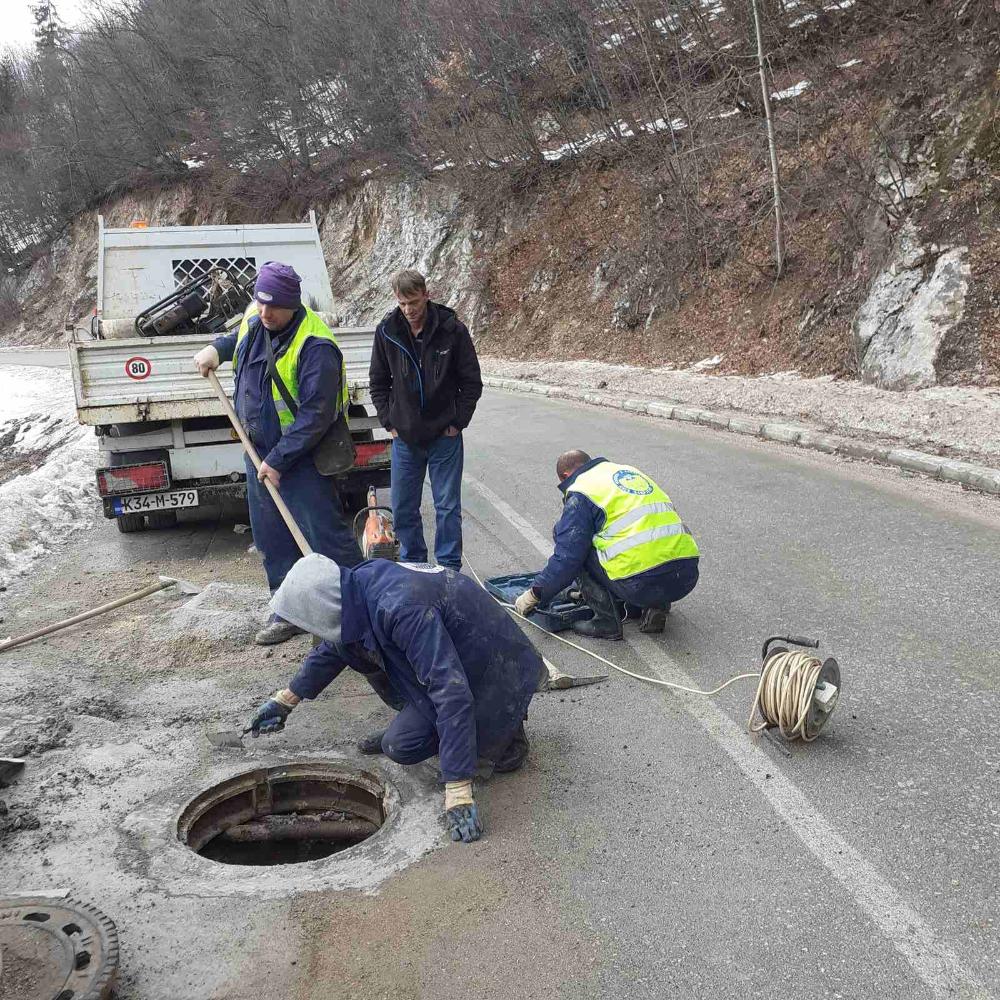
{"x": 125, "y": 381}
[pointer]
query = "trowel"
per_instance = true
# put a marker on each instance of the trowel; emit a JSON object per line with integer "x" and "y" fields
{"x": 165, "y": 581}
{"x": 228, "y": 738}
{"x": 559, "y": 681}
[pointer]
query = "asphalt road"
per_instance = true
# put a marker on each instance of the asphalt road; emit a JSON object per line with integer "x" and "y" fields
{"x": 42, "y": 357}
{"x": 650, "y": 847}
{"x": 864, "y": 864}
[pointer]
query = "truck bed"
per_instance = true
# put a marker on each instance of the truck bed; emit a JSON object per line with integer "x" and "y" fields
{"x": 153, "y": 378}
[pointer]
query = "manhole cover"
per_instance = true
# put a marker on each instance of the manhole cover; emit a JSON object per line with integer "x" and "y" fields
{"x": 55, "y": 950}
{"x": 284, "y": 815}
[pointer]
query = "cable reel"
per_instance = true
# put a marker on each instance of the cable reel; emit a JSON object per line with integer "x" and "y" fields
{"x": 797, "y": 692}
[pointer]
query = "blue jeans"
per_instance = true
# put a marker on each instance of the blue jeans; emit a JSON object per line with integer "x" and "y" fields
{"x": 443, "y": 458}
{"x": 314, "y": 504}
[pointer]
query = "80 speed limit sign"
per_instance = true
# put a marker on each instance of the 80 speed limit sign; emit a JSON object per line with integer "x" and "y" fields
{"x": 138, "y": 368}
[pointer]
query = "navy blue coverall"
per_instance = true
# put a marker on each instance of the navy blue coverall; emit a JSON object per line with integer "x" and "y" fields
{"x": 466, "y": 672}
{"x": 311, "y": 497}
{"x": 574, "y": 553}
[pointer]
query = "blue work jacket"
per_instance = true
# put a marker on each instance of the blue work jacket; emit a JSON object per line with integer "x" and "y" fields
{"x": 447, "y": 648}
{"x": 318, "y": 377}
{"x": 573, "y": 537}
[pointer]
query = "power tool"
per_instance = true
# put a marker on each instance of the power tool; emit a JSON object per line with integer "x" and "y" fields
{"x": 378, "y": 540}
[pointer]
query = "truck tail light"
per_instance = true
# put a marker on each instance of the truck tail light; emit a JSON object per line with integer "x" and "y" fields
{"x": 371, "y": 452}
{"x": 126, "y": 479}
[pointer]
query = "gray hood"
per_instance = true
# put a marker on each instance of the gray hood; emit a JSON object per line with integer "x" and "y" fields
{"x": 310, "y": 597}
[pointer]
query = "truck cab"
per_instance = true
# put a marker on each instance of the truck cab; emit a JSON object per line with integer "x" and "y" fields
{"x": 166, "y": 443}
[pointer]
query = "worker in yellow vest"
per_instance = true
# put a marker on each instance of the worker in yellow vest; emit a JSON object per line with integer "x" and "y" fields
{"x": 620, "y": 538}
{"x": 291, "y": 395}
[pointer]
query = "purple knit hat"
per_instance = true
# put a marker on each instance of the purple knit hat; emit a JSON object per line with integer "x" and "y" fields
{"x": 278, "y": 285}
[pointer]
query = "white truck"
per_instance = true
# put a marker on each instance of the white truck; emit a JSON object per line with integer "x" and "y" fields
{"x": 162, "y": 294}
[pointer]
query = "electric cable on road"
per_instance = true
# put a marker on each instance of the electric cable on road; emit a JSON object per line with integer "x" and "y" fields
{"x": 796, "y": 691}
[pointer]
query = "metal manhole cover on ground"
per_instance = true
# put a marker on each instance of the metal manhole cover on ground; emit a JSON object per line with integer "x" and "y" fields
{"x": 55, "y": 949}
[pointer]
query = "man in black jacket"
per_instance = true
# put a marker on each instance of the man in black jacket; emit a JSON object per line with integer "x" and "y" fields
{"x": 425, "y": 384}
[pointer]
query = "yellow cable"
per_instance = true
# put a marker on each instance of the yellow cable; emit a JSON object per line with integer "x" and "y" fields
{"x": 787, "y": 682}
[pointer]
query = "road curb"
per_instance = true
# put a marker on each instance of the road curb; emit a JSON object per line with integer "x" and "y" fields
{"x": 983, "y": 478}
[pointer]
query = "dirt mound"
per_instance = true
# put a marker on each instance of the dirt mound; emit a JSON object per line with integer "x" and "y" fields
{"x": 16, "y": 817}
{"x": 33, "y": 736}
{"x": 222, "y": 611}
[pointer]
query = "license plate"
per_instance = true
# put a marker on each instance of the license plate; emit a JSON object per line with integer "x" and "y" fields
{"x": 146, "y": 502}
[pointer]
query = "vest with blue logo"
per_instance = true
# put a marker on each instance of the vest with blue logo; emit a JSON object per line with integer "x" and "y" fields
{"x": 641, "y": 528}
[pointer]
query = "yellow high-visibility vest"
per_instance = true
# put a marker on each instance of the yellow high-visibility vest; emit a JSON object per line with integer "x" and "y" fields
{"x": 641, "y": 528}
{"x": 288, "y": 363}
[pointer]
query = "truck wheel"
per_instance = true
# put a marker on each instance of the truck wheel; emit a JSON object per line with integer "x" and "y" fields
{"x": 128, "y": 523}
{"x": 163, "y": 519}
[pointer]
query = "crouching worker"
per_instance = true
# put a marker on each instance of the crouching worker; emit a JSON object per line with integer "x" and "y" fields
{"x": 461, "y": 668}
{"x": 620, "y": 538}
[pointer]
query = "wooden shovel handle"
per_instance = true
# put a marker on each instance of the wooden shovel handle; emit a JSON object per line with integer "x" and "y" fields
{"x": 83, "y": 616}
{"x": 283, "y": 510}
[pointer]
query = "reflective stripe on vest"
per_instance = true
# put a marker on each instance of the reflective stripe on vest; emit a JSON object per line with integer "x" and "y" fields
{"x": 288, "y": 363}
{"x": 641, "y": 528}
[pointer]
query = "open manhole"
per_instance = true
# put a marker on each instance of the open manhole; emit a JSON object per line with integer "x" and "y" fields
{"x": 284, "y": 815}
{"x": 55, "y": 949}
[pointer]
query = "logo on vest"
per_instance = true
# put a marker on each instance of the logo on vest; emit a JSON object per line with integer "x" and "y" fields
{"x": 632, "y": 482}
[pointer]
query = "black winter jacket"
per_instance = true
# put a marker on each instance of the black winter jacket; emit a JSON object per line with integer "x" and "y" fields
{"x": 419, "y": 389}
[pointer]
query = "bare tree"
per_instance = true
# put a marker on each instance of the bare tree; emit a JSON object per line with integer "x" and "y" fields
{"x": 772, "y": 146}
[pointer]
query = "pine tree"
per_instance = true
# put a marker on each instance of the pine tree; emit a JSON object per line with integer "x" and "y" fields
{"x": 48, "y": 28}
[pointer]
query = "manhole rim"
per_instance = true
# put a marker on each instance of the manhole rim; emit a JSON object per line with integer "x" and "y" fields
{"x": 151, "y": 851}
{"x": 101, "y": 985}
{"x": 322, "y": 767}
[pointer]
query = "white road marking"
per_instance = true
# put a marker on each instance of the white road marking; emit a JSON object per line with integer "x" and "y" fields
{"x": 931, "y": 958}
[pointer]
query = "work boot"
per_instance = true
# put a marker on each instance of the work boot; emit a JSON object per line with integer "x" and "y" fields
{"x": 371, "y": 745}
{"x": 515, "y": 755}
{"x": 275, "y": 631}
{"x": 605, "y": 623}
{"x": 653, "y": 619}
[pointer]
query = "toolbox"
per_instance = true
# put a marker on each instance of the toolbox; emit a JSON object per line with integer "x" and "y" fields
{"x": 556, "y": 616}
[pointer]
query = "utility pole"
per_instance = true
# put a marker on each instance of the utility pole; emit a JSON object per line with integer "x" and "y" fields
{"x": 779, "y": 219}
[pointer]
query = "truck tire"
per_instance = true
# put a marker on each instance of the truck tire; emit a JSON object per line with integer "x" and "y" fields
{"x": 128, "y": 523}
{"x": 163, "y": 519}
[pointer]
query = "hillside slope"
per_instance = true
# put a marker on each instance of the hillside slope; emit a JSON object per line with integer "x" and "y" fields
{"x": 890, "y": 170}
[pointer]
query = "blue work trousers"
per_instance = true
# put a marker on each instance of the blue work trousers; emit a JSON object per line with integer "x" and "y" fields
{"x": 316, "y": 508}
{"x": 410, "y": 737}
{"x": 443, "y": 459}
{"x": 657, "y": 589}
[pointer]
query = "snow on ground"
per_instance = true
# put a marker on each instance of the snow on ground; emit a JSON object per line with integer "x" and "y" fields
{"x": 47, "y": 463}
{"x": 794, "y": 91}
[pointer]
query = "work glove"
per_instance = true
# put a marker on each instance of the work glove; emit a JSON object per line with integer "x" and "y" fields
{"x": 206, "y": 360}
{"x": 271, "y": 716}
{"x": 526, "y": 603}
{"x": 461, "y": 812}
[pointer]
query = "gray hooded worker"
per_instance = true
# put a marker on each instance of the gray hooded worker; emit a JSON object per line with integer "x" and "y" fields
{"x": 465, "y": 671}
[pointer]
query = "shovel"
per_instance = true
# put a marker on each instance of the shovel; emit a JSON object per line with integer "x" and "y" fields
{"x": 283, "y": 510}
{"x": 232, "y": 737}
{"x": 165, "y": 581}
